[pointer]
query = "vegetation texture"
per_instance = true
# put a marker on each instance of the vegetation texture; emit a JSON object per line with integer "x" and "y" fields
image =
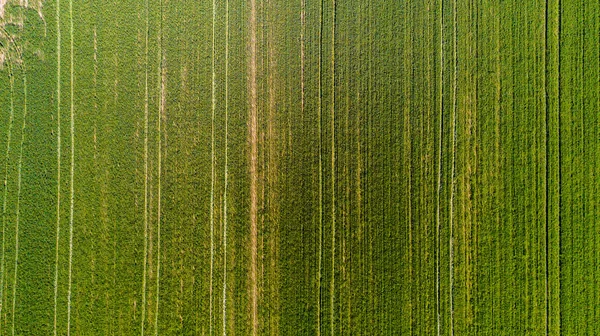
{"x": 298, "y": 167}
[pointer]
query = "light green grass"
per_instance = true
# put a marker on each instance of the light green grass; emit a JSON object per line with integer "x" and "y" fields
{"x": 300, "y": 168}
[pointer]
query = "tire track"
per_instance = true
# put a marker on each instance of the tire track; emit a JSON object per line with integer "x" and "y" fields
{"x": 333, "y": 173}
{"x": 18, "y": 209}
{"x": 453, "y": 169}
{"x": 212, "y": 167}
{"x": 72, "y": 177}
{"x": 5, "y": 196}
{"x": 226, "y": 168}
{"x": 58, "y": 157}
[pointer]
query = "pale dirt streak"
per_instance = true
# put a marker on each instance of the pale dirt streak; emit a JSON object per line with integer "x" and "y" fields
{"x": 253, "y": 138}
{"x": 146, "y": 126}
{"x": 162, "y": 115}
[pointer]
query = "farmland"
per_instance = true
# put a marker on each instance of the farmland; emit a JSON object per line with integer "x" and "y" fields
{"x": 270, "y": 167}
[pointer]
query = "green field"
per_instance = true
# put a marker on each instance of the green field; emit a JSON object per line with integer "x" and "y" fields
{"x": 298, "y": 167}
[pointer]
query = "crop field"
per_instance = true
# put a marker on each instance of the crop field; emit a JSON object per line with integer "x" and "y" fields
{"x": 299, "y": 167}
